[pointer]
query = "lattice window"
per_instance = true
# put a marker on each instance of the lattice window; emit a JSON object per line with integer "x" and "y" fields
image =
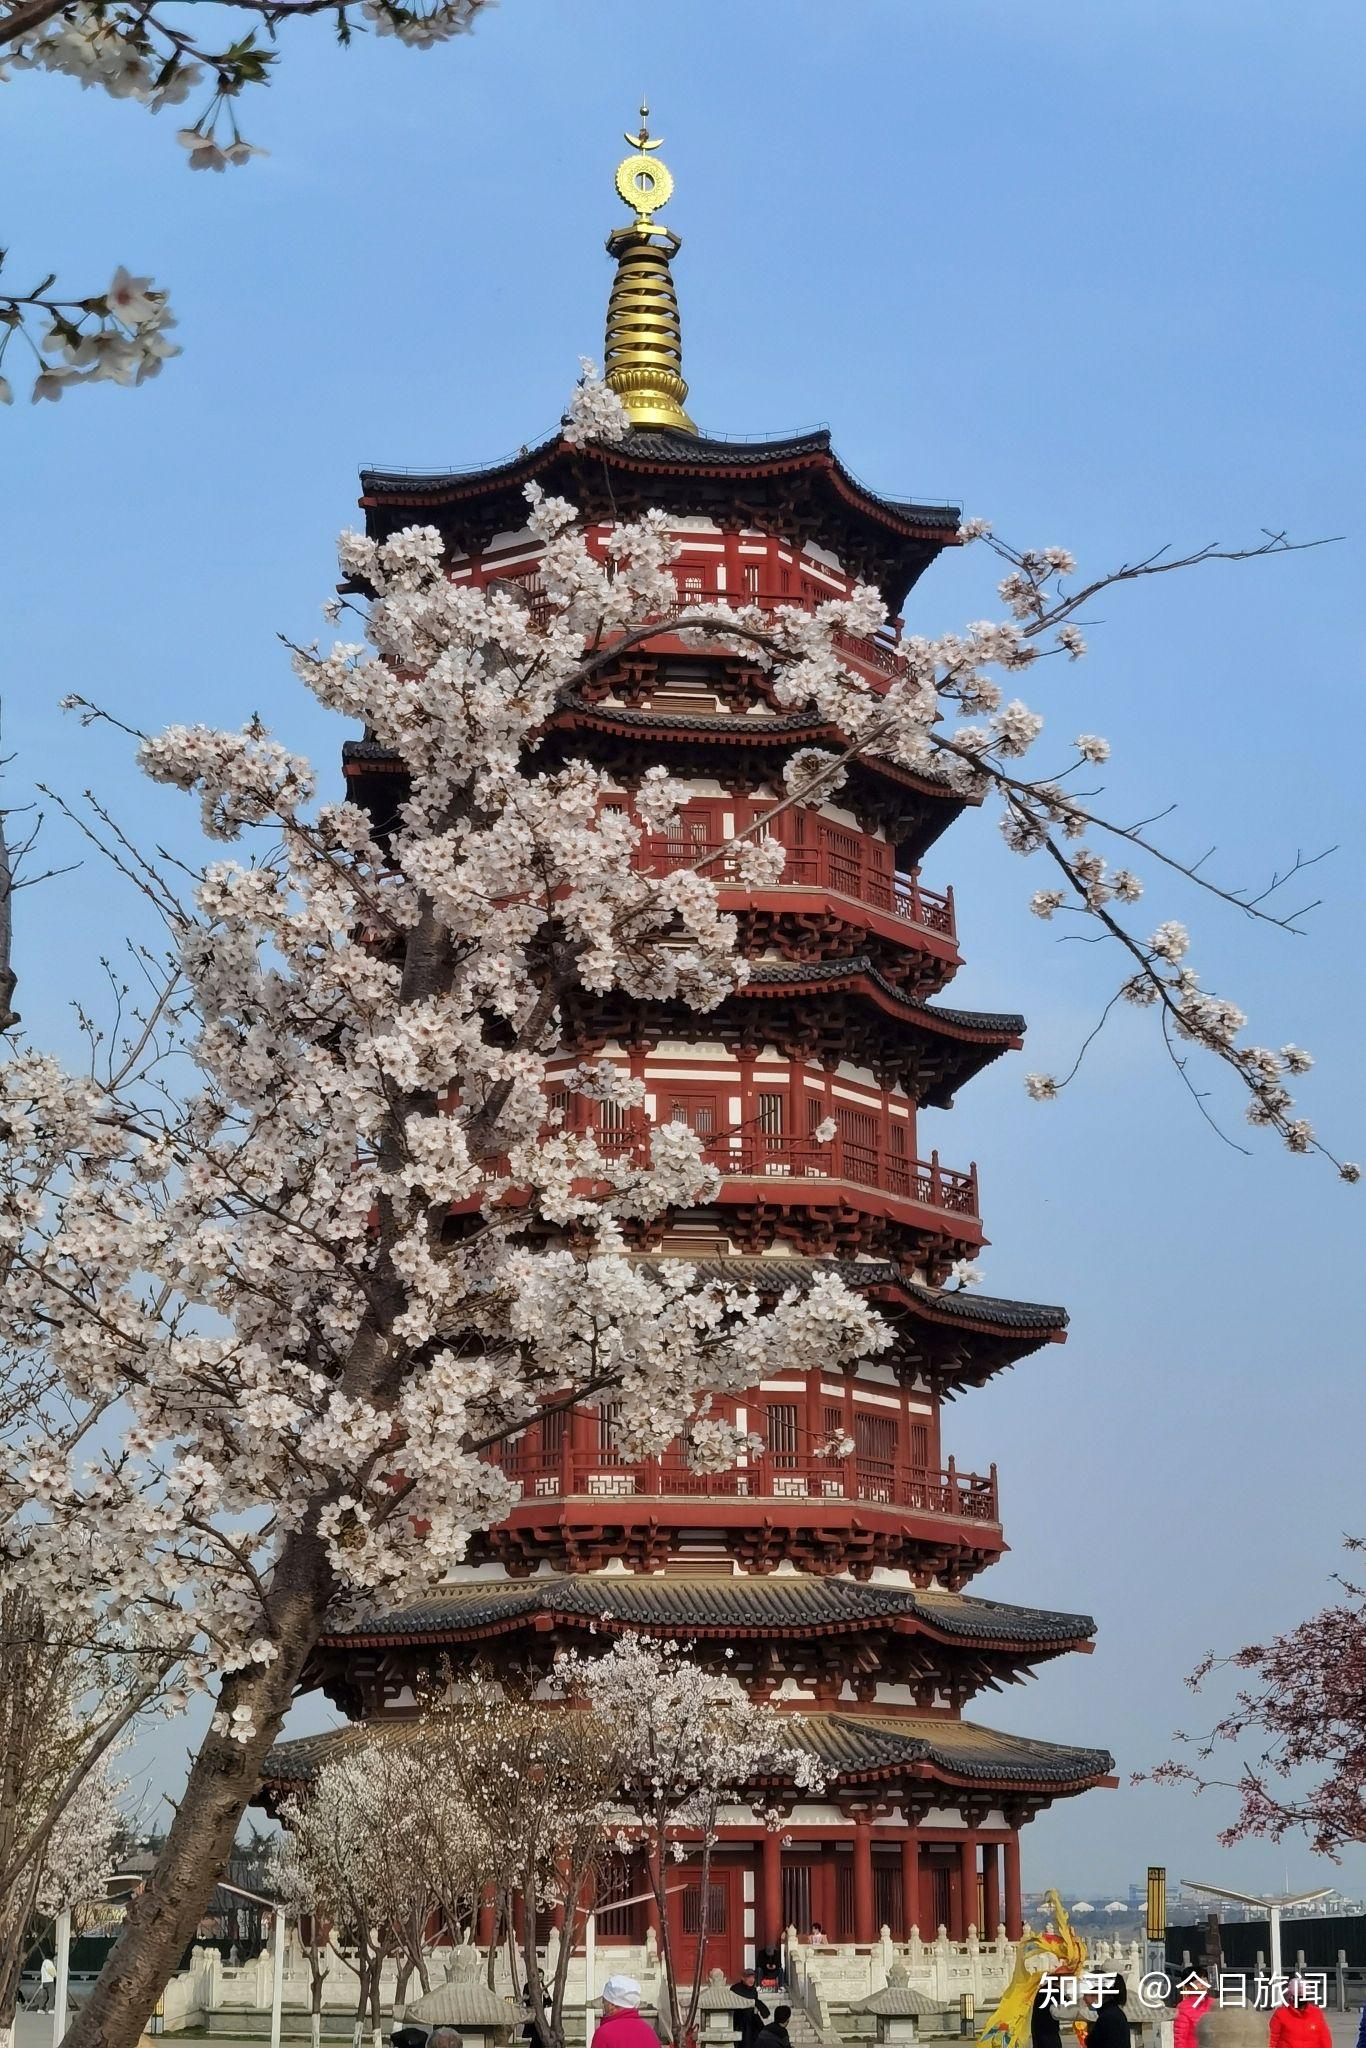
{"x": 771, "y": 1119}
{"x": 610, "y": 1122}
{"x": 858, "y": 1143}
{"x": 887, "y": 1898}
{"x": 696, "y": 1921}
{"x": 797, "y": 1896}
{"x": 617, "y": 1920}
{"x": 875, "y": 1454}
{"x": 844, "y": 1899}
{"x": 608, "y": 1411}
{"x": 782, "y": 1432}
{"x": 698, "y": 1112}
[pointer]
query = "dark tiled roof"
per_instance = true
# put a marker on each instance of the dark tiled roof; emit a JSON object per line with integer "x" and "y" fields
{"x": 793, "y": 973}
{"x": 981, "y": 1311}
{"x": 654, "y": 447}
{"x": 727, "y": 725}
{"x": 794, "y": 485}
{"x": 852, "y": 1746}
{"x": 862, "y": 1745}
{"x": 773, "y": 1604}
{"x": 994, "y": 1309}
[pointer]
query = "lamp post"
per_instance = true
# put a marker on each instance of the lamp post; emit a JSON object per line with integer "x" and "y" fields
{"x": 1156, "y": 1927}
{"x": 1273, "y": 1904}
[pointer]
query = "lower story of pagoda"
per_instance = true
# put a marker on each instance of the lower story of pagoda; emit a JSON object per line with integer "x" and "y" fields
{"x": 763, "y": 1886}
{"x": 916, "y": 1833}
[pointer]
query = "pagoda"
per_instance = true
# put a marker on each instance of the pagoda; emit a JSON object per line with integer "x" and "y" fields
{"x": 830, "y": 1585}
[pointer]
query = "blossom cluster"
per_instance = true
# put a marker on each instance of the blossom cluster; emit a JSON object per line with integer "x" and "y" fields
{"x": 118, "y": 336}
{"x": 137, "y": 53}
{"x": 309, "y": 1285}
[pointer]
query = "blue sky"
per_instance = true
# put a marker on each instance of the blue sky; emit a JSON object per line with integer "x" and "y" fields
{"x": 1092, "y": 270}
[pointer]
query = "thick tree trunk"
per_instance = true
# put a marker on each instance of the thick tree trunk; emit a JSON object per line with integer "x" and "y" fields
{"x": 223, "y": 1777}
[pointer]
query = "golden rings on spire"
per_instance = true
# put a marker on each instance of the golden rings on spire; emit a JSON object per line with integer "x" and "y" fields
{"x": 644, "y": 349}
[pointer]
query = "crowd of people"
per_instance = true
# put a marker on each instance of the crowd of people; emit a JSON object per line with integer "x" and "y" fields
{"x": 763, "y": 2017}
{"x": 1298, "y": 2023}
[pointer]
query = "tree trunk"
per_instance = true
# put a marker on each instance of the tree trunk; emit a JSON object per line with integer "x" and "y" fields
{"x": 657, "y": 1854}
{"x": 162, "y": 1918}
{"x": 315, "y": 1988}
{"x": 376, "y": 2011}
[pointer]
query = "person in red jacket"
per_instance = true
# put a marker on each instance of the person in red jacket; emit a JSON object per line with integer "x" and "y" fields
{"x": 1297, "y": 2023}
{"x": 621, "y": 2025}
{"x": 1195, "y": 2003}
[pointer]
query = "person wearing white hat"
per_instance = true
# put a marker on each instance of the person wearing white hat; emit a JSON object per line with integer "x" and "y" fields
{"x": 621, "y": 2025}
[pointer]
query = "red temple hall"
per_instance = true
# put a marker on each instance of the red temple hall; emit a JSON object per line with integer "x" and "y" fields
{"x": 836, "y": 1586}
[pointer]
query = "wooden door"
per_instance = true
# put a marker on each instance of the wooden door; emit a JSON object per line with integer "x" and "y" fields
{"x": 694, "y": 832}
{"x": 875, "y": 1455}
{"x": 858, "y": 1133}
{"x": 700, "y": 1110}
{"x": 707, "y": 1933}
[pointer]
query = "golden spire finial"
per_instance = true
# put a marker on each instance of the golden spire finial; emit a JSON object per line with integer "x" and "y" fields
{"x": 644, "y": 353}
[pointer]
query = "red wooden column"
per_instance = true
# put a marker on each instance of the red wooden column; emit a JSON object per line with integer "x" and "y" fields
{"x": 815, "y": 1401}
{"x": 865, "y": 1909}
{"x": 967, "y": 1885}
{"x": 580, "y": 1443}
{"x": 488, "y": 1924}
{"x": 991, "y": 1888}
{"x": 910, "y": 1880}
{"x": 771, "y": 1889}
{"x": 1014, "y": 1917}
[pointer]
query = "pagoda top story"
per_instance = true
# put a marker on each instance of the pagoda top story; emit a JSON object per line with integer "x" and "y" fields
{"x": 795, "y": 482}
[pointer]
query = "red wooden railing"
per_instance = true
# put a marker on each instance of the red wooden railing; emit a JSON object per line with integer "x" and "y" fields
{"x": 751, "y": 1154}
{"x": 816, "y": 867}
{"x": 594, "y": 1475}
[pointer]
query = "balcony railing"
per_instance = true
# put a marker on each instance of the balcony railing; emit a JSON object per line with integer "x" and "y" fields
{"x": 600, "y": 1475}
{"x": 765, "y": 1155}
{"x": 817, "y": 867}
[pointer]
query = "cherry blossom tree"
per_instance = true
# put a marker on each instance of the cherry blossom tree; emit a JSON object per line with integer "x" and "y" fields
{"x": 1298, "y": 1725}
{"x": 527, "y": 1792}
{"x": 299, "y": 1882}
{"x": 306, "y": 1239}
{"x": 686, "y": 1743}
{"x": 62, "y": 1714}
{"x": 160, "y": 56}
{"x": 349, "y": 1859}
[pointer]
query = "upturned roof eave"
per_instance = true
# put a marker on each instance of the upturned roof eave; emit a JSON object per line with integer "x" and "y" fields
{"x": 647, "y": 454}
